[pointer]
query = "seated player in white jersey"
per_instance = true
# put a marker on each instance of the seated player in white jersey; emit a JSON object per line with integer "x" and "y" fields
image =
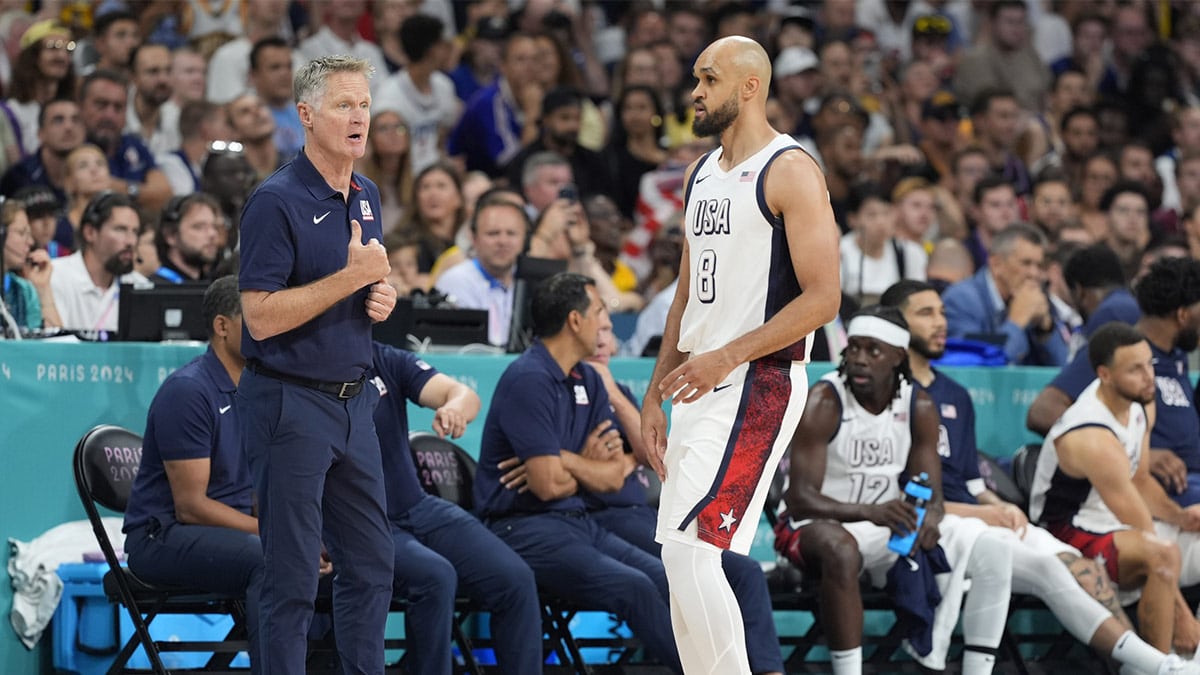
{"x": 864, "y": 430}
{"x": 1042, "y": 565}
{"x": 1093, "y": 490}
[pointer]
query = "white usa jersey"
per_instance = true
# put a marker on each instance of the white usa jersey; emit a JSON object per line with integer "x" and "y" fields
{"x": 1059, "y": 498}
{"x": 741, "y": 270}
{"x": 866, "y": 456}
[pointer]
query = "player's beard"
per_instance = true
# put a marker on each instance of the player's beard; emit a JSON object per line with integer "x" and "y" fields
{"x": 115, "y": 265}
{"x": 1136, "y": 395}
{"x": 921, "y": 346}
{"x": 1187, "y": 339}
{"x": 717, "y": 121}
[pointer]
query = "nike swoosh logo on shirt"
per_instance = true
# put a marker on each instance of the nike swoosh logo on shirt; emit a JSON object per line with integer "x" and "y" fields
{"x": 724, "y": 386}
{"x": 224, "y": 409}
{"x": 317, "y": 221}
{"x": 701, "y": 179}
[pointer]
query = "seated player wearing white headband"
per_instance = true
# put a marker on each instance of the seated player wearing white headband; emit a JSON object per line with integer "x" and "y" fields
{"x": 864, "y": 430}
{"x": 1075, "y": 588}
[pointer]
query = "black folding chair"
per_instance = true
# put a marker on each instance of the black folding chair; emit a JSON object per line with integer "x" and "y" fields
{"x": 105, "y": 463}
{"x": 1024, "y": 467}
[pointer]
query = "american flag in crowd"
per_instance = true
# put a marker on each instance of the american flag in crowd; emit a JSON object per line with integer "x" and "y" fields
{"x": 747, "y": 176}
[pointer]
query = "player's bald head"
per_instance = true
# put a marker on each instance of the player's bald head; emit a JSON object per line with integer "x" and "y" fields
{"x": 739, "y": 57}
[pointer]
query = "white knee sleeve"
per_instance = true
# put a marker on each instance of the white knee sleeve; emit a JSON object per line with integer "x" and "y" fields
{"x": 985, "y": 611}
{"x": 705, "y": 616}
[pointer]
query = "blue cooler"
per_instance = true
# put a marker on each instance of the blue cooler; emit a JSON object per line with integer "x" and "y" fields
{"x": 89, "y": 631}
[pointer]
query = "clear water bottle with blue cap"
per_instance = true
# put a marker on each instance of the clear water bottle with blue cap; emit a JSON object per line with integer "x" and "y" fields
{"x": 918, "y": 493}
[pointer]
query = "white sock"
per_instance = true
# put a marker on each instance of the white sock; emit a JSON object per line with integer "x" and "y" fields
{"x": 977, "y": 663}
{"x": 846, "y": 661}
{"x": 1133, "y": 651}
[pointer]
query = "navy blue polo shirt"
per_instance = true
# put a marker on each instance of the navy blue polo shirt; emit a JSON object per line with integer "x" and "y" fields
{"x": 536, "y": 411}
{"x": 1120, "y": 305}
{"x": 956, "y": 438}
{"x": 191, "y": 417}
{"x": 400, "y": 376}
{"x": 132, "y": 161}
{"x": 1176, "y": 425}
{"x": 633, "y": 492}
{"x": 295, "y": 230}
{"x": 30, "y": 171}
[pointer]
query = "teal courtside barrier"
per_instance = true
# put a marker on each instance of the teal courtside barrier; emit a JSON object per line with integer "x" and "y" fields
{"x": 50, "y": 394}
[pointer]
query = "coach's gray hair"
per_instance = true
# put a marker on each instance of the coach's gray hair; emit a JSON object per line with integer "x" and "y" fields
{"x": 310, "y": 82}
{"x": 1006, "y": 240}
{"x": 539, "y": 160}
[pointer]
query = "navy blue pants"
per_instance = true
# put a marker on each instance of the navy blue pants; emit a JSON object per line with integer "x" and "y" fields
{"x": 440, "y": 547}
{"x": 637, "y": 524}
{"x": 318, "y": 476}
{"x": 577, "y": 560}
{"x": 214, "y": 559}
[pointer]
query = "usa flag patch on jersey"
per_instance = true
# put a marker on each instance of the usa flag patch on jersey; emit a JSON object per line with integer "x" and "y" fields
{"x": 949, "y": 411}
{"x": 747, "y": 176}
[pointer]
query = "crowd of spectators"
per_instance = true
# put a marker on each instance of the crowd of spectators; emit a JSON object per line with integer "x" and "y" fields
{"x": 939, "y": 126}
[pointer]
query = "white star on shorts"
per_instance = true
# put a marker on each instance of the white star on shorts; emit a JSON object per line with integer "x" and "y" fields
{"x": 727, "y": 521}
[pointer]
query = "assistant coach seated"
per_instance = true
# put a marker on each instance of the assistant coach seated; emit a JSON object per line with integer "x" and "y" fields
{"x": 550, "y": 411}
{"x": 190, "y": 520}
{"x": 1005, "y": 300}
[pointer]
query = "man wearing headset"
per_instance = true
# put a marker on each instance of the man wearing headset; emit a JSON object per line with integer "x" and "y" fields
{"x": 189, "y": 238}
{"x": 86, "y": 284}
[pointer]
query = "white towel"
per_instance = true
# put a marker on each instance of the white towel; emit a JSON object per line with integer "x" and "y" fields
{"x": 33, "y": 566}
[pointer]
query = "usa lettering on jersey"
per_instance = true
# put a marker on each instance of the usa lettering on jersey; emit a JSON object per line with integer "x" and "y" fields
{"x": 711, "y": 217}
{"x": 1171, "y": 393}
{"x": 866, "y": 452}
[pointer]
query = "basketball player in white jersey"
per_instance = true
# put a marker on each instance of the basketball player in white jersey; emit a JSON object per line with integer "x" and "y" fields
{"x": 1043, "y": 565}
{"x": 864, "y": 427}
{"x": 1093, "y": 491}
{"x": 759, "y": 273}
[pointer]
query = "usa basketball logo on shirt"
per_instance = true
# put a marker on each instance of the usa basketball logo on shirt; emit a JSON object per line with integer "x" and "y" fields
{"x": 365, "y": 207}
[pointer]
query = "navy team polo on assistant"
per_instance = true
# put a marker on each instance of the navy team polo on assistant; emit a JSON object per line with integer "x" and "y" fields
{"x": 400, "y": 376}
{"x": 956, "y": 439}
{"x": 1176, "y": 424}
{"x": 531, "y": 397}
{"x": 297, "y": 204}
{"x": 192, "y": 417}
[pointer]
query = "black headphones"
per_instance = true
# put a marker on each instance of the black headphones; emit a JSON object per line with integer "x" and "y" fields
{"x": 174, "y": 210}
{"x": 100, "y": 208}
